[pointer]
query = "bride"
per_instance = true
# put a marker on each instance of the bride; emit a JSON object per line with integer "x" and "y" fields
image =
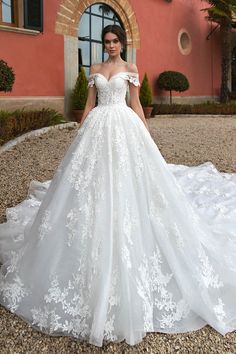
{"x": 119, "y": 243}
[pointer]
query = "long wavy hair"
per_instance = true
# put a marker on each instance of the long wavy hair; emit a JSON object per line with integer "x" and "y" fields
{"x": 116, "y": 30}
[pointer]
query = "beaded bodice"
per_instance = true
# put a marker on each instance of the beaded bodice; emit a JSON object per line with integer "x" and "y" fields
{"x": 113, "y": 91}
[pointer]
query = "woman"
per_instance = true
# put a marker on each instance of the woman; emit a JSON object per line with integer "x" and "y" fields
{"x": 113, "y": 247}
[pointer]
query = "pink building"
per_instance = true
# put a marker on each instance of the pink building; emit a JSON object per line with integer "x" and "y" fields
{"x": 46, "y": 41}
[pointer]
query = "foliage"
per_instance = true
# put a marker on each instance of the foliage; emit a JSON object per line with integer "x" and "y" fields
{"x": 7, "y": 77}
{"x": 222, "y": 12}
{"x": 219, "y": 9}
{"x": 105, "y": 8}
{"x": 18, "y": 122}
{"x": 80, "y": 92}
{"x": 145, "y": 94}
{"x": 202, "y": 108}
{"x": 172, "y": 81}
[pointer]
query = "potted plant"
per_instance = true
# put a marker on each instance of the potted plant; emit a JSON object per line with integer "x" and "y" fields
{"x": 145, "y": 96}
{"x": 172, "y": 81}
{"x": 79, "y": 95}
{"x": 7, "y": 77}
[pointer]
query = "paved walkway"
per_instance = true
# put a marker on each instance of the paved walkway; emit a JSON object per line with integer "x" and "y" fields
{"x": 182, "y": 141}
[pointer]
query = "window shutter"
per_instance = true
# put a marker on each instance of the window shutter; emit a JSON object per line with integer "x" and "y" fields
{"x": 33, "y": 14}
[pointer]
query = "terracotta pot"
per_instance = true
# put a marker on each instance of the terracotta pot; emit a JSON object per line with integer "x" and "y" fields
{"x": 77, "y": 114}
{"x": 147, "y": 111}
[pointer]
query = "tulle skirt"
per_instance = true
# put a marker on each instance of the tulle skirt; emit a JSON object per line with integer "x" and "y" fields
{"x": 120, "y": 243}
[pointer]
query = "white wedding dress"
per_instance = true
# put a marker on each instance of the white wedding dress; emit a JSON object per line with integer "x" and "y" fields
{"x": 120, "y": 243}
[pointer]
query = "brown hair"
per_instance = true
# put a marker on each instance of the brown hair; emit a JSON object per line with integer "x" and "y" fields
{"x": 116, "y": 30}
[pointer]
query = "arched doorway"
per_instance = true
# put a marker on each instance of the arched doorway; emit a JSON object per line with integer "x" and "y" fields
{"x": 67, "y": 23}
{"x": 93, "y": 20}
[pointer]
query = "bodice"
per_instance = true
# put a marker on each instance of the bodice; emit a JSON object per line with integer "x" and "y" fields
{"x": 112, "y": 91}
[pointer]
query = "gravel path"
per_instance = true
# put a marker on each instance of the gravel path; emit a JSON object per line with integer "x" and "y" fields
{"x": 181, "y": 141}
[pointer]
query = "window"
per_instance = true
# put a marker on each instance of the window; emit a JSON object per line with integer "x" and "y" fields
{"x": 184, "y": 42}
{"x": 8, "y": 12}
{"x": 22, "y": 13}
{"x": 33, "y": 14}
{"x": 93, "y": 20}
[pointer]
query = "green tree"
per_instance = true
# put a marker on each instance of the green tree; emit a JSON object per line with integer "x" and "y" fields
{"x": 80, "y": 92}
{"x": 172, "y": 81}
{"x": 145, "y": 94}
{"x": 221, "y": 12}
{"x": 7, "y": 77}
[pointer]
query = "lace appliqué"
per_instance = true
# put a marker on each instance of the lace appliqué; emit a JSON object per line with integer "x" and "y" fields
{"x": 72, "y": 221}
{"x": 134, "y": 79}
{"x": 119, "y": 146}
{"x": 219, "y": 310}
{"x": 206, "y": 272}
{"x": 13, "y": 292}
{"x": 158, "y": 204}
{"x": 174, "y": 233}
{"x": 81, "y": 177}
{"x": 87, "y": 215}
{"x": 130, "y": 222}
{"x": 152, "y": 284}
{"x": 117, "y": 94}
{"x": 114, "y": 301}
{"x": 46, "y": 319}
{"x": 45, "y": 227}
{"x": 138, "y": 156}
{"x": 125, "y": 256}
{"x": 14, "y": 259}
{"x": 91, "y": 81}
{"x": 74, "y": 301}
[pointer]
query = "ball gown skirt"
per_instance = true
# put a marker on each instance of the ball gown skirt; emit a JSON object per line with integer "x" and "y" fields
{"x": 120, "y": 243}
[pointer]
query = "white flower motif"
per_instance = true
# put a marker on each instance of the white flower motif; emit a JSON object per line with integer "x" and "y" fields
{"x": 219, "y": 310}
{"x": 206, "y": 272}
{"x": 13, "y": 292}
{"x": 45, "y": 227}
{"x": 152, "y": 283}
{"x": 129, "y": 222}
{"x": 126, "y": 256}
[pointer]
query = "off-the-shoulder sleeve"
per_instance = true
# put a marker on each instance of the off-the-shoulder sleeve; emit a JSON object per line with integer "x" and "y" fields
{"x": 134, "y": 79}
{"x": 91, "y": 81}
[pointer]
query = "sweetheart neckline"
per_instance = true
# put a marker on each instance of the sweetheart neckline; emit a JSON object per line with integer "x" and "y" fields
{"x": 108, "y": 80}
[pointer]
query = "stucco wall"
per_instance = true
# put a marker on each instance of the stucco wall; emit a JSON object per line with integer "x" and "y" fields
{"x": 38, "y": 61}
{"x": 160, "y": 23}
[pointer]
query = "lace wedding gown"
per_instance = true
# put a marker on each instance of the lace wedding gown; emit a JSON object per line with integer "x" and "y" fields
{"x": 120, "y": 243}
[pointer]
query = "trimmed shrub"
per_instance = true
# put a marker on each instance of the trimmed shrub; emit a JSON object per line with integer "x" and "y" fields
{"x": 172, "y": 81}
{"x": 203, "y": 108}
{"x": 145, "y": 94}
{"x": 16, "y": 123}
{"x": 80, "y": 92}
{"x": 7, "y": 77}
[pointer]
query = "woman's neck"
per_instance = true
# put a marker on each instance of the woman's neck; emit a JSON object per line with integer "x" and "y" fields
{"x": 114, "y": 60}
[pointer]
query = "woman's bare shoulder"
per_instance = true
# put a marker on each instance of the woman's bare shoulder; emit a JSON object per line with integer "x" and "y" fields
{"x": 132, "y": 68}
{"x": 95, "y": 68}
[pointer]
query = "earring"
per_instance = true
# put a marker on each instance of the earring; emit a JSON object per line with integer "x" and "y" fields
{"x": 122, "y": 49}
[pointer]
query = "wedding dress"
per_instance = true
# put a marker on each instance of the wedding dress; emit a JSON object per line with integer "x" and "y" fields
{"x": 120, "y": 243}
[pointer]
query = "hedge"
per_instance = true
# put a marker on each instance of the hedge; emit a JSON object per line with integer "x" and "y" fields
{"x": 18, "y": 122}
{"x": 203, "y": 108}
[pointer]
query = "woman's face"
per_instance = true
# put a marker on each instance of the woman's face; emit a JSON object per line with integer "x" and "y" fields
{"x": 112, "y": 44}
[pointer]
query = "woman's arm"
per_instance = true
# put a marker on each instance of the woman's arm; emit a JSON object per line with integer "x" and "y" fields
{"x": 135, "y": 103}
{"x": 91, "y": 99}
{"x": 134, "y": 98}
{"x": 90, "y": 103}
